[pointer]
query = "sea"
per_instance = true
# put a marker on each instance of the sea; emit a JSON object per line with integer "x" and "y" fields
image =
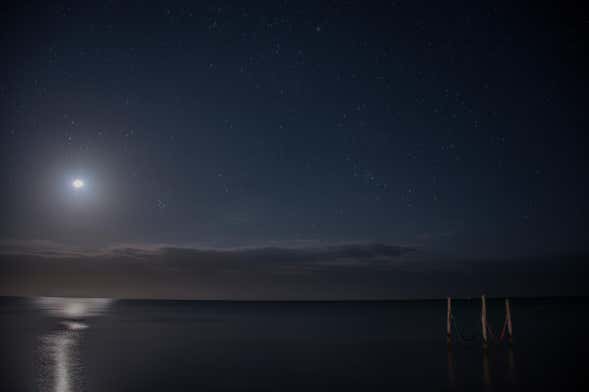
{"x": 94, "y": 344}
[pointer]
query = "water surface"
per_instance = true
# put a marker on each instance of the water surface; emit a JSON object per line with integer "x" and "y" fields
{"x": 54, "y": 344}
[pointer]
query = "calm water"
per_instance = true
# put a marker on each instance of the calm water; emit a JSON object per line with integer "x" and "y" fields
{"x": 101, "y": 345}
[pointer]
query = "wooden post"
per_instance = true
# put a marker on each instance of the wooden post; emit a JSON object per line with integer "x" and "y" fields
{"x": 508, "y": 319}
{"x": 484, "y": 320}
{"x": 449, "y": 322}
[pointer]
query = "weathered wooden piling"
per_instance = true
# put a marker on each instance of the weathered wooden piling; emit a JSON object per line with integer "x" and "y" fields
{"x": 484, "y": 320}
{"x": 508, "y": 320}
{"x": 485, "y": 330}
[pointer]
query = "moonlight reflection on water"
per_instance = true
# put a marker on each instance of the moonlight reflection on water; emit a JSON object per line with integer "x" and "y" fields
{"x": 61, "y": 369}
{"x": 73, "y": 308}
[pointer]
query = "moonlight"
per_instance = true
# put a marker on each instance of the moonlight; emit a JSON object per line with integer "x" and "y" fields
{"x": 78, "y": 183}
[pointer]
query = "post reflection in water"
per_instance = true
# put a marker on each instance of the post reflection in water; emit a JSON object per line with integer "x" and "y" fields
{"x": 486, "y": 370}
{"x": 61, "y": 369}
{"x": 451, "y": 373}
{"x": 511, "y": 364}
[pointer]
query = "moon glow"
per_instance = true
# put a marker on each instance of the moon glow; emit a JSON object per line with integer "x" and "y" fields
{"x": 78, "y": 183}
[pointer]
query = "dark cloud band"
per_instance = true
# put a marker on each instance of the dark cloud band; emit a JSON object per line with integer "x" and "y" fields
{"x": 340, "y": 271}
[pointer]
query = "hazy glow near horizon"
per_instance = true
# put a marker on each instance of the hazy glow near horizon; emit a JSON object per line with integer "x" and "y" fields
{"x": 78, "y": 183}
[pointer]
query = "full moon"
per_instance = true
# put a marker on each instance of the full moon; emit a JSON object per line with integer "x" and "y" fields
{"x": 78, "y": 183}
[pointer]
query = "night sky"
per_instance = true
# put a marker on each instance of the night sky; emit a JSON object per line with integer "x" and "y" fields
{"x": 293, "y": 150}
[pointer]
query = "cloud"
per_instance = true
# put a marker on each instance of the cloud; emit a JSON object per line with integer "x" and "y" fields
{"x": 297, "y": 271}
{"x": 161, "y": 270}
{"x": 39, "y": 248}
{"x": 344, "y": 254}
